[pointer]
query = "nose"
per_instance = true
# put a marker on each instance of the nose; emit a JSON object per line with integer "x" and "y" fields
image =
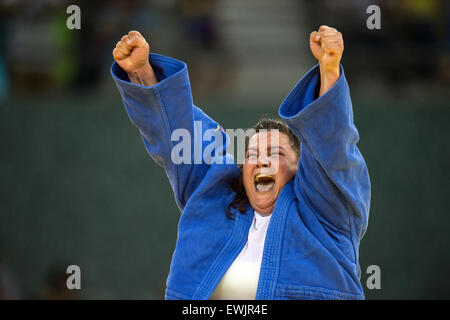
{"x": 263, "y": 161}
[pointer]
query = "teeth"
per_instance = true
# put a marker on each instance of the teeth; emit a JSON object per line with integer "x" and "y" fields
{"x": 264, "y": 186}
{"x": 264, "y": 182}
{"x": 263, "y": 176}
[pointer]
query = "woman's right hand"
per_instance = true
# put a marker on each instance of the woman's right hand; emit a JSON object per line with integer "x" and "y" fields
{"x": 131, "y": 53}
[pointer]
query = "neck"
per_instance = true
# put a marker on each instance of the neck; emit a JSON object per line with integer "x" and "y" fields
{"x": 264, "y": 214}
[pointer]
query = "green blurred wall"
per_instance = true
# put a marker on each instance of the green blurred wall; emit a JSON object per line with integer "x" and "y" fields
{"x": 77, "y": 187}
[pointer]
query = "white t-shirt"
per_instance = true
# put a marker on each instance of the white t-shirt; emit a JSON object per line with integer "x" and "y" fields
{"x": 240, "y": 282}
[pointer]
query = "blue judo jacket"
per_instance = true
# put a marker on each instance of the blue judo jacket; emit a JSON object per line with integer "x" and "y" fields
{"x": 312, "y": 242}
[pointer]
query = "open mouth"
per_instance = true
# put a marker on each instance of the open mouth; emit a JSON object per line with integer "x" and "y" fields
{"x": 264, "y": 182}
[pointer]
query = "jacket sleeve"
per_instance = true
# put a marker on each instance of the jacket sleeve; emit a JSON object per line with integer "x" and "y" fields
{"x": 176, "y": 133}
{"x": 332, "y": 175}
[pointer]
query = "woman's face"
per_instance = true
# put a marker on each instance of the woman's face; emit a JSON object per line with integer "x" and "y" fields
{"x": 270, "y": 163}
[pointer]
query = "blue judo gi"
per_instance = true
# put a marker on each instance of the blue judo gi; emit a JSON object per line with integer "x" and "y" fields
{"x": 312, "y": 242}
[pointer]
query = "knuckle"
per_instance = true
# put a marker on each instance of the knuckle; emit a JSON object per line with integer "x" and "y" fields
{"x": 134, "y": 33}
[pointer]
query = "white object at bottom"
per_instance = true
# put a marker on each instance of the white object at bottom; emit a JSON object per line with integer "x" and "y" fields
{"x": 240, "y": 282}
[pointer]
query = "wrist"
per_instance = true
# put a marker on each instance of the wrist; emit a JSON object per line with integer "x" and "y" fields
{"x": 328, "y": 77}
{"x": 330, "y": 72}
{"x": 143, "y": 75}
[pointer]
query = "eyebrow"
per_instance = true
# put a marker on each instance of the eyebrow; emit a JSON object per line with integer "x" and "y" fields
{"x": 274, "y": 147}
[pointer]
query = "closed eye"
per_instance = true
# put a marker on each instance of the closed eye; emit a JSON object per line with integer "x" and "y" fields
{"x": 276, "y": 154}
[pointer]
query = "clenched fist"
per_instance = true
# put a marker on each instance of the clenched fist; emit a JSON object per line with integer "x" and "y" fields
{"x": 327, "y": 46}
{"x": 131, "y": 53}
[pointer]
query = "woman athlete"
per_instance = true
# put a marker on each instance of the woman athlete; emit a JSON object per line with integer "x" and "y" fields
{"x": 288, "y": 222}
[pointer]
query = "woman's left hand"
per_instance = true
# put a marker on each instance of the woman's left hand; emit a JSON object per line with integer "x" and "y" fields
{"x": 327, "y": 46}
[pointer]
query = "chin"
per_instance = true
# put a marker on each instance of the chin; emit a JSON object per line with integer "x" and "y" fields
{"x": 264, "y": 202}
{"x": 263, "y": 208}
{"x": 265, "y": 212}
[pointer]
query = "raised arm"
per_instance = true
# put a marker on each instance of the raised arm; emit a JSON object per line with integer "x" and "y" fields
{"x": 157, "y": 96}
{"x": 332, "y": 176}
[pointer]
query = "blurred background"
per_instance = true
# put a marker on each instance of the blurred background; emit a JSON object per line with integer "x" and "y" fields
{"x": 77, "y": 186}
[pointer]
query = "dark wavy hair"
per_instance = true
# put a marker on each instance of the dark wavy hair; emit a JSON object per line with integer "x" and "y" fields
{"x": 240, "y": 202}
